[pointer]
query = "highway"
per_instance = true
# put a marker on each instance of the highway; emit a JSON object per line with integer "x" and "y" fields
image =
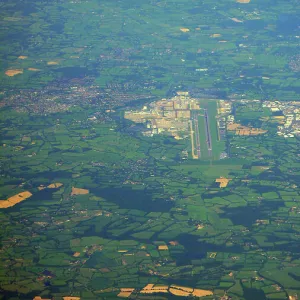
{"x": 207, "y": 131}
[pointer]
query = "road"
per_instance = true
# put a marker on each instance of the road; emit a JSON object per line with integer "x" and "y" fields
{"x": 207, "y": 131}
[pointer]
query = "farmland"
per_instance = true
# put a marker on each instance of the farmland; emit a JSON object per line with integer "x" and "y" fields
{"x": 149, "y": 150}
{"x": 113, "y": 212}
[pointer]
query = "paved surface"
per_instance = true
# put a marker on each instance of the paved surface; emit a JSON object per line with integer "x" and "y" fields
{"x": 197, "y": 133}
{"x": 207, "y": 131}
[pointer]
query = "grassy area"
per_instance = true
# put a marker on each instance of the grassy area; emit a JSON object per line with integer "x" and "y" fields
{"x": 76, "y": 65}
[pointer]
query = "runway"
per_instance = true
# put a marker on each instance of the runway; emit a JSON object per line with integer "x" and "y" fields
{"x": 207, "y": 132}
{"x": 197, "y": 133}
{"x": 192, "y": 140}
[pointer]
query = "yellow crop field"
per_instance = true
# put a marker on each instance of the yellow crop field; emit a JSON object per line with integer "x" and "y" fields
{"x": 54, "y": 185}
{"x": 13, "y": 72}
{"x": 125, "y": 292}
{"x": 201, "y": 293}
{"x": 223, "y": 181}
{"x": 177, "y": 290}
{"x": 11, "y": 201}
{"x": 163, "y": 247}
{"x": 34, "y": 69}
{"x": 52, "y": 63}
{"x": 77, "y": 191}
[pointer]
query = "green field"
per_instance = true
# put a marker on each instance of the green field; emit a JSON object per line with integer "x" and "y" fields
{"x": 114, "y": 206}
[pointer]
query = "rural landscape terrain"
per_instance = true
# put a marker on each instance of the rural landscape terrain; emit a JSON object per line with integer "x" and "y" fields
{"x": 150, "y": 150}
